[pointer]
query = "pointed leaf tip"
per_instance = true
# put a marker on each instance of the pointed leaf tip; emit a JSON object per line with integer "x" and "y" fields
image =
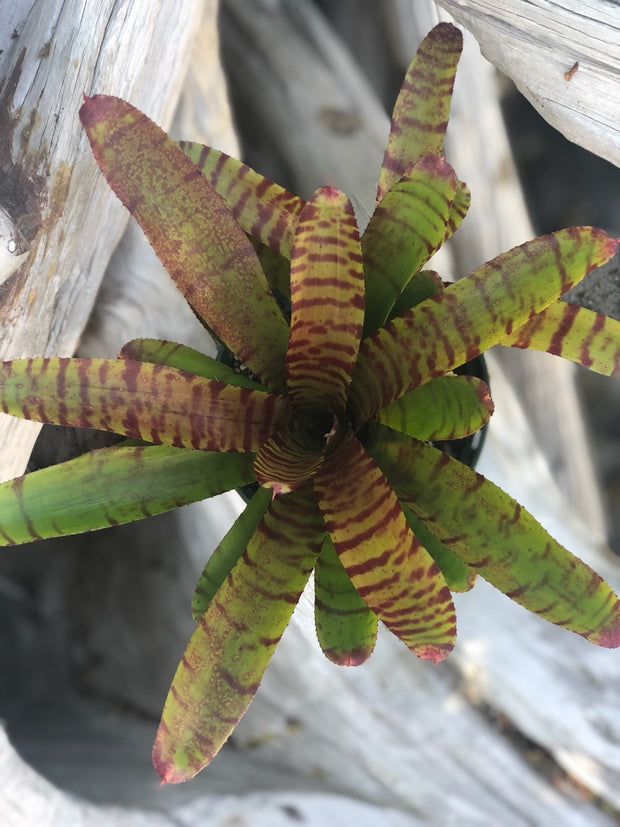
{"x": 434, "y": 653}
{"x": 610, "y": 637}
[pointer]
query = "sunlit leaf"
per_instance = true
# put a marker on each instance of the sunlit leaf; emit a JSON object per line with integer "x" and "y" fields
{"x": 471, "y": 315}
{"x": 151, "y": 402}
{"x": 327, "y": 302}
{"x": 192, "y": 231}
{"x": 407, "y": 227}
{"x": 448, "y": 407}
{"x": 390, "y": 569}
{"x": 111, "y": 486}
{"x": 420, "y": 115}
{"x": 346, "y": 626}
{"x": 265, "y": 210}
{"x": 225, "y": 556}
{"x": 228, "y": 653}
{"x": 497, "y": 537}
{"x": 574, "y": 333}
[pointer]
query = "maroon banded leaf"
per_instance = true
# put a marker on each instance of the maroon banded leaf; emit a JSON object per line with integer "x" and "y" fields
{"x": 346, "y": 626}
{"x": 111, "y": 486}
{"x": 574, "y": 333}
{"x": 152, "y": 402}
{"x": 390, "y": 569}
{"x": 192, "y": 231}
{"x": 228, "y": 653}
{"x": 497, "y": 537}
{"x": 327, "y": 302}
{"x": 224, "y": 557}
{"x": 407, "y": 227}
{"x": 458, "y": 211}
{"x": 265, "y": 210}
{"x": 420, "y": 115}
{"x": 448, "y": 407}
{"x": 295, "y": 452}
{"x": 471, "y": 315}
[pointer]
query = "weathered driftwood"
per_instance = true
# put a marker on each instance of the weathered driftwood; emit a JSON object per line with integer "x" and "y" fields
{"x": 418, "y": 744}
{"x": 564, "y": 57}
{"x": 54, "y": 51}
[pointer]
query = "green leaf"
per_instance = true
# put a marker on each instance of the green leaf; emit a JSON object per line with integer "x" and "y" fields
{"x": 459, "y": 577}
{"x": 225, "y": 556}
{"x": 448, "y": 407}
{"x": 420, "y": 286}
{"x": 111, "y": 486}
{"x": 468, "y": 317}
{"x": 498, "y": 538}
{"x": 327, "y": 302}
{"x": 572, "y": 332}
{"x": 228, "y": 653}
{"x": 263, "y": 209}
{"x": 192, "y": 231}
{"x": 160, "y": 352}
{"x": 407, "y": 227}
{"x": 389, "y": 567}
{"x": 346, "y": 626}
{"x": 420, "y": 115}
{"x": 155, "y": 403}
{"x": 459, "y": 208}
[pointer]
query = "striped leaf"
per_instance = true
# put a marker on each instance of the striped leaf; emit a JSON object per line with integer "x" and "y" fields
{"x": 295, "y": 453}
{"x": 225, "y": 556}
{"x": 420, "y": 286}
{"x": 420, "y": 115}
{"x": 263, "y": 209}
{"x": 407, "y": 227}
{"x": 327, "y": 302}
{"x": 161, "y": 352}
{"x": 459, "y": 577}
{"x": 111, "y": 486}
{"x": 468, "y": 317}
{"x": 151, "y": 402}
{"x": 228, "y": 653}
{"x": 498, "y": 538}
{"x": 390, "y": 569}
{"x": 459, "y": 208}
{"x": 575, "y": 333}
{"x": 448, "y": 407}
{"x": 192, "y": 231}
{"x": 346, "y": 626}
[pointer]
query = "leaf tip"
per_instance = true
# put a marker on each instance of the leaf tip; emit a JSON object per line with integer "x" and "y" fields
{"x": 434, "y": 652}
{"x": 610, "y": 636}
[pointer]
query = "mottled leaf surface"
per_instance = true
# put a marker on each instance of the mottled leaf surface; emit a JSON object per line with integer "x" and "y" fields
{"x": 406, "y": 228}
{"x": 572, "y": 332}
{"x": 390, "y": 569}
{"x": 265, "y": 210}
{"x": 346, "y": 626}
{"x": 147, "y": 401}
{"x": 471, "y": 315}
{"x": 111, "y": 486}
{"x": 327, "y": 302}
{"x": 225, "y": 556}
{"x": 420, "y": 115}
{"x": 235, "y": 638}
{"x": 192, "y": 231}
{"x": 497, "y": 537}
{"x": 448, "y": 407}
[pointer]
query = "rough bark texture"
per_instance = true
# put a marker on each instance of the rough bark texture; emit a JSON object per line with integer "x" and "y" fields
{"x": 92, "y": 627}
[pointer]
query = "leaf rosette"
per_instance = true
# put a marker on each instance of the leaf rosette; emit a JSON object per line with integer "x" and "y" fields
{"x": 335, "y": 416}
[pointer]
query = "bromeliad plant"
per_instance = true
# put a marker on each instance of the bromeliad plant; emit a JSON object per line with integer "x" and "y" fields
{"x": 333, "y": 411}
